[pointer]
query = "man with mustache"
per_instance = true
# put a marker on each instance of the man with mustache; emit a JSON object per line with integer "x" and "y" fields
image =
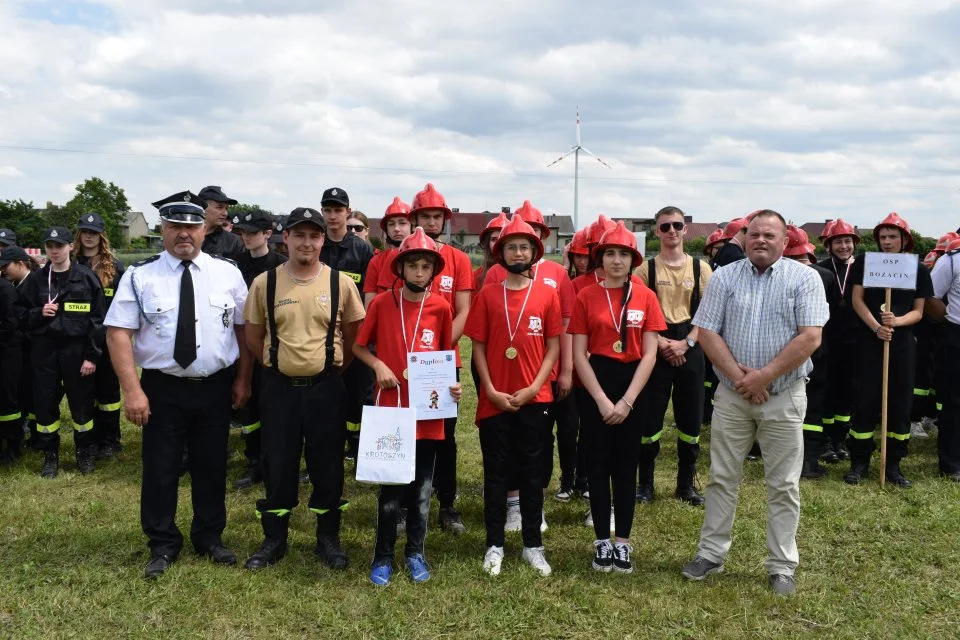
{"x": 179, "y": 316}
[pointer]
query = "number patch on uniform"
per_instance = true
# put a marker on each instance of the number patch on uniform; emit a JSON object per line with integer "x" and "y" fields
{"x": 79, "y": 307}
{"x": 353, "y": 276}
{"x": 107, "y": 291}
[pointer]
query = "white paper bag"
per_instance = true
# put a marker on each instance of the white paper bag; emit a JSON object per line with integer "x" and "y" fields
{"x": 388, "y": 445}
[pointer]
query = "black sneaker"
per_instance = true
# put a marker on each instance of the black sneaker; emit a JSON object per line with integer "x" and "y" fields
{"x": 563, "y": 494}
{"x": 602, "y": 556}
{"x": 699, "y": 568}
{"x": 782, "y": 584}
{"x": 451, "y": 521}
{"x": 621, "y": 557}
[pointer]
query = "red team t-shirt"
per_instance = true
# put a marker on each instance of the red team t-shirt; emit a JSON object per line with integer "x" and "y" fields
{"x": 592, "y": 317}
{"x": 487, "y": 323}
{"x": 380, "y": 264}
{"x": 457, "y": 276}
{"x": 382, "y": 327}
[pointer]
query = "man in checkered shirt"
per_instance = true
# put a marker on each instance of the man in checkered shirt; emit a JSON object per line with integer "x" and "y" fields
{"x": 760, "y": 320}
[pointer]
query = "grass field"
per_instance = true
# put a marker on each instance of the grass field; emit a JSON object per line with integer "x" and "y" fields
{"x": 873, "y": 565}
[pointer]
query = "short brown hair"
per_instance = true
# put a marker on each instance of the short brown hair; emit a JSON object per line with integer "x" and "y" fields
{"x": 670, "y": 210}
{"x": 769, "y": 213}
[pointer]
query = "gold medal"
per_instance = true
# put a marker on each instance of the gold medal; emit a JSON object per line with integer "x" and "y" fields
{"x": 511, "y": 353}
{"x": 405, "y": 374}
{"x": 618, "y": 346}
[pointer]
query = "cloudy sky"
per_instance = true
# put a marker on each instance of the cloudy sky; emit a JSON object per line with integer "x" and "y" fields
{"x": 815, "y": 108}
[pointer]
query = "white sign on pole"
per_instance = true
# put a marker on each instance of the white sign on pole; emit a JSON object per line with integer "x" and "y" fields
{"x": 890, "y": 270}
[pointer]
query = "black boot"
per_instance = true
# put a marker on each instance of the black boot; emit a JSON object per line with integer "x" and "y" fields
{"x": 85, "y": 459}
{"x": 812, "y": 469}
{"x": 840, "y": 448}
{"x": 328, "y": 540}
{"x": 829, "y": 455}
{"x": 648, "y": 463}
{"x": 274, "y": 545}
{"x": 895, "y": 476}
{"x": 686, "y": 492}
{"x": 858, "y": 471}
{"x": 51, "y": 464}
{"x": 12, "y": 454}
{"x": 251, "y": 476}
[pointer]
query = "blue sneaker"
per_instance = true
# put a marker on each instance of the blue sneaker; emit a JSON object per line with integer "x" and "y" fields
{"x": 418, "y": 568}
{"x": 380, "y": 573}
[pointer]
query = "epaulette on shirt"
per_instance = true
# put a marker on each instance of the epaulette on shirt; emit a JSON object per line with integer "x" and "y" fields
{"x": 146, "y": 261}
{"x": 220, "y": 257}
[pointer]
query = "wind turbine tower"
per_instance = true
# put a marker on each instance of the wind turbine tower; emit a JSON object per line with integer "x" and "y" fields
{"x": 576, "y": 150}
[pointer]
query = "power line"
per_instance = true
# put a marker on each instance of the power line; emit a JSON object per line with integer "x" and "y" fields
{"x": 515, "y": 174}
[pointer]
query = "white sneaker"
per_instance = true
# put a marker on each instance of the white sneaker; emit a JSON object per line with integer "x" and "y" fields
{"x": 535, "y": 558}
{"x": 514, "y": 521}
{"x": 543, "y": 522}
{"x": 917, "y": 430}
{"x": 613, "y": 521}
{"x": 492, "y": 560}
{"x": 588, "y": 521}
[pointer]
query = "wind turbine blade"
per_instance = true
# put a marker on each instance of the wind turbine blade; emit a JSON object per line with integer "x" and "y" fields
{"x": 562, "y": 157}
{"x": 595, "y": 157}
{"x": 578, "y": 125}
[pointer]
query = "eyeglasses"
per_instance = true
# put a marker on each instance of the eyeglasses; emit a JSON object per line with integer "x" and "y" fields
{"x": 677, "y": 226}
{"x": 356, "y": 228}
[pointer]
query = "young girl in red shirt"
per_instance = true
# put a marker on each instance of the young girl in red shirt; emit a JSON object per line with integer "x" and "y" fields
{"x": 614, "y": 326}
{"x": 425, "y": 322}
{"x": 515, "y": 328}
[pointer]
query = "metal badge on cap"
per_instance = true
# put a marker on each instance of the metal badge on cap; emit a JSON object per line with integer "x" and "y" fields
{"x": 307, "y": 214}
{"x": 249, "y": 216}
{"x": 54, "y": 234}
{"x": 89, "y": 218}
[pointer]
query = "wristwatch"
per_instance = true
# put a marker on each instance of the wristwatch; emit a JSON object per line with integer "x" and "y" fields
{"x": 691, "y": 342}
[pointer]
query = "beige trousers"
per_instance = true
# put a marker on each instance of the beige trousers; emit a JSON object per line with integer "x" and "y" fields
{"x": 777, "y": 425}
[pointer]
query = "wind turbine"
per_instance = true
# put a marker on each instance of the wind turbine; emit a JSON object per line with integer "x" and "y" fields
{"x": 576, "y": 151}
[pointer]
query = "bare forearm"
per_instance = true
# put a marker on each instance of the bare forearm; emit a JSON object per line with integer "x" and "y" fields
{"x": 549, "y": 361}
{"x": 566, "y": 350}
{"x": 480, "y": 361}
{"x": 794, "y": 354}
{"x": 364, "y": 355}
{"x": 120, "y": 344}
{"x": 719, "y": 354}
{"x": 245, "y": 362}
{"x": 584, "y": 371}
{"x": 642, "y": 375}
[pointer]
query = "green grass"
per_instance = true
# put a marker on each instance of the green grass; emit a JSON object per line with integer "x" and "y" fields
{"x": 874, "y": 564}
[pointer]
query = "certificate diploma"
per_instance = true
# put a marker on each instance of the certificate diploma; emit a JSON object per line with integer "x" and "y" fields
{"x": 431, "y": 374}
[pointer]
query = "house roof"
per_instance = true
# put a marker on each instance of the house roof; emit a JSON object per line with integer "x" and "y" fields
{"x": 700, "y": 229}
{"x": 130, "y": 216}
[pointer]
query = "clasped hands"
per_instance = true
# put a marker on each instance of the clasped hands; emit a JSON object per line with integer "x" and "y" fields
{"x": 752, "y": 386}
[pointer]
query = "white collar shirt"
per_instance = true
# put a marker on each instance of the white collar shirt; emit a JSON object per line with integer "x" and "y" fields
{"x": 946, "y": 280}
{"x": 147, "y": 300}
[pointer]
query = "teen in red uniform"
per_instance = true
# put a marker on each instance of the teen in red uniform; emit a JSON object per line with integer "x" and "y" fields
{"x": 454, "y": 284}
{"x": 395, "y": 225}
{"x": 426, "y": 323}
{"x": 488, "y": 237}
{"x": 579, "y": 254}
{"x": 515, "y": 330}
{"x": 615, "y": 326}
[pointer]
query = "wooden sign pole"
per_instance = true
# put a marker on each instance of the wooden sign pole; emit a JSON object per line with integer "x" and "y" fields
{"x": 883, "y": 402}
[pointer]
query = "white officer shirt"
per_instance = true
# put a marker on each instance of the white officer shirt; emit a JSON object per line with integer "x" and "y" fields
{"x": 946, "y": 279}
{"x": 147, "y": 300}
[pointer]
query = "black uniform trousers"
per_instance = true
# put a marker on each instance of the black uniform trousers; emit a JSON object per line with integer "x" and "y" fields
{"x": 302, "y": 415}
{"x": 710, "y": 382}
{"x": 840, "y": 393}
{"x": 359, "y": 381}
{"x": 415, "y": 498}
{"x": 924, "y": 393}
{"x": 866, "y": 417}
{"x": 685, "y": 385}
{"x": 56, "y": 370}
{"x": 185, "y": 412}
{"x": 948, "y": 384}
{"x": 564, "y": 413}
{"x": 514, "y": 441}
{"x": 813, "y": 420}
{"x": 445, "y": 470}
{"x": 11, "y": 417}
{"x": 612, "y": 450}
{"x": 106, "y": 418}
{"x": 249, "y": 417}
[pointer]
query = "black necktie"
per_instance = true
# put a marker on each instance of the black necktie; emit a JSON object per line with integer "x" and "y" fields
{"x": 185, "y": 344}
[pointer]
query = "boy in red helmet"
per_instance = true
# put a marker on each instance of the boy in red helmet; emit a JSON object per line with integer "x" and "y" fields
{"x": 894, "y": 325}
{"x": 395, "y": 225}
{"x": 454, "y": 283}
{"x": 515, "y": 330}
{"x": 425, "y": 321}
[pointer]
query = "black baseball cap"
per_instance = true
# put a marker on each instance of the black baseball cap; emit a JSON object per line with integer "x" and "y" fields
{"x": 7, "y": 237}
{"x": 92, "y": 222}
{"x": 335, "y": 194}
{"x": 256, "y": 220}
{"x": 183, "y": 207}
{"x": 215, "y": 193}
{"x": 301, "y": 215}
{"x": 13, "y": 253}
{"x": 60, "y": 235}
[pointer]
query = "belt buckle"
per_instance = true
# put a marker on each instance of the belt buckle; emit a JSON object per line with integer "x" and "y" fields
{"x": 299, "y": 382}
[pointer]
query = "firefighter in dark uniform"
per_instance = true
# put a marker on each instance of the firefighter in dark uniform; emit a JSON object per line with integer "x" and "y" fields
{"x": 177, "y": 315}
{"x": 11, "y": 345}
{"x": 17, "y": 267}
{"x": 679, "y": 281}
{"x": 734, "y": 234}
{"x": 217, "y": 240}
{"x": 840, "y": 240}
{"x": 302, "y": 320}
{"x": 93, "y": 251}
{"x": 894, "y": 325}
{"x": 349, "y": 254}
{"x": 63, "y": 308}
{"x": 800, "y": 248}
{"x": 256, "y": 231}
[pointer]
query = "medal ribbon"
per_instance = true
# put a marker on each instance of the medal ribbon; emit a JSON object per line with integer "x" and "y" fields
{"x": 628, "y": 291}
{"x": 842, "y": 285}
{"x": 506, "y": 310}
{"x": 403, "y": 324}
{"x": 50, "y": 285}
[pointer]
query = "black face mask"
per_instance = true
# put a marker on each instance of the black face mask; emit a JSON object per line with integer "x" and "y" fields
{"x": 392, "y": 242}
{"x": 519, "y": 268}
{"x": 415, "y": 288}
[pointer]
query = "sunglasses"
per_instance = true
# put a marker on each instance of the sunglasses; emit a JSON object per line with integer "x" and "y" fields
{"x": 677, "y": 226}
{"x": 356, "y": 228}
